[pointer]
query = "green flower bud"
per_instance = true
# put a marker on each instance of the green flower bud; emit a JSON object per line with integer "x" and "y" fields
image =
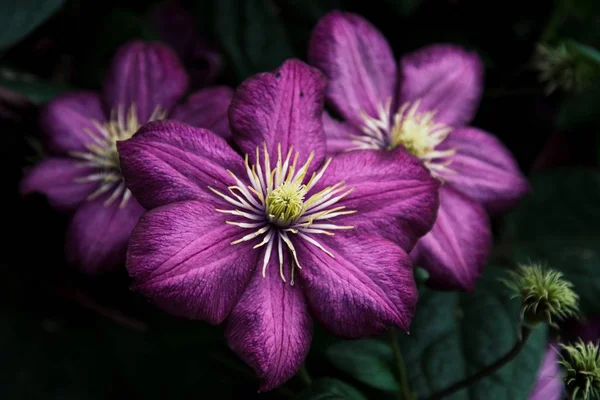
{"x": 582, "y": 364}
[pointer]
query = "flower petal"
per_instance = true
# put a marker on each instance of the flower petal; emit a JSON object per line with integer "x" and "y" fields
{"x": 148, "y": 75}
{"x": 445, "y": 78}
{"x": 181, "y": 258}
{"x": 98, "y": 234}
{"x": 56, "y": 178}
{"x": 455, "y": 251}
{"x": 206, "y": 108}
{"x": 167, "y": 161}
{"x": 270, "y": 327}
{"x": 283, "y": 107}
{"x": 358, "y": 62}
{"x": 67, "y": 121}
{"x": 394, "y": 194}
{"x": 339, "y": 135}
{"x": 485, "y": 169}
{"x": 366, "y": 287}
{"x": 549, "y": 385}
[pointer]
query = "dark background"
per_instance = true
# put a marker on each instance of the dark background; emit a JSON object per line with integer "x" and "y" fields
{"x": 67, "y": 336}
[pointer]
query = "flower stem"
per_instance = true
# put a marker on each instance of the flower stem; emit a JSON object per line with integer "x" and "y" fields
{"x": 304, "y": 375}
{"x": 404, "y": 392}
{"x": 522, "y": 340}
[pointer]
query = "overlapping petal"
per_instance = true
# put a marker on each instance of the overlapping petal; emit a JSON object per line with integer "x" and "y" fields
{"x": 358, "y": 62}
{"x": 181, "y": 258}
{"x": 444, "y": 78}
{"x": 366, "y": 287}
{"x": 455, "y": 251}
{"x": 339, "y": 135}
{"x": 549, "y": 384}
{"x": 281, "y": 108}
{"x": 485, "y": 170}
{"x": 206, "y": 108}
{"x": 167, "y": 161}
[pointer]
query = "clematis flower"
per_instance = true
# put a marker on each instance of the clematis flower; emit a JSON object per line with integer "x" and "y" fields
{"x": 423, "y": 106}
{"x": 83, "y": 175}
{"x": 259, "y": 241}
{"x": 549, "y": 383}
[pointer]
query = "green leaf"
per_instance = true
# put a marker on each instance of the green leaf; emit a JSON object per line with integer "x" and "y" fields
{"x": 331, "y": 389}
{"x": 589, "y": 53}
{"x": 253, "y": 38}
{"x": 34, "y": 90}
{"x": 559, "y": 224}
{"x": 19, "y": 17}
{"x": 368, "y": 361}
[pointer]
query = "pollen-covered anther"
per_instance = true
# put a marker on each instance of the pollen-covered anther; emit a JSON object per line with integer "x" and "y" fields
{"x": 278, "y": 203}
{"x": 101, "y": 152}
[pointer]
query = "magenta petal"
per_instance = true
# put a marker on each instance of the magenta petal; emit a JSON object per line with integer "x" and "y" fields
{"x": 181, "y": 258}
{"x": 98, "y": 234}
{"x": 206, "y": 108}
{"x": 148, "y": 75}
{"x": 283, "y": 107}
{"x": 455, "y": 251}
{"x": 394, "y": 194}
{"x": 338, "y": 135}
{"x": 167, "y": 161}
{"x": 485, "y": 169}
{"x": 549, "y": 384}
{"x": 358, "y": 62}
{"x": 366, "y": 287}
{"x": 56, "y": 178}
{"x": 445, "y": 78}
{"x": 68, "y": 120}
{"x": 270, "y": 327}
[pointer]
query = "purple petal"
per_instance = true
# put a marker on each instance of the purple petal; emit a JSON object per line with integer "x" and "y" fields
{"x": 67, "y": 120}
{"x": 283, "y": 107}
{"x": 485, "y": 169}
{"x": 56, "y": 178}
{"x": 338, "y": 135}
{"x": 167, "y": 161}
{"x": 445, "y": 78}
{"x": 455, "y": 251}
{"x": 358, "y": 62}
{"x": 394, "y": 196}
{"x": 98, "y": 234}
{"x": 549, "y": 384}
{"x": 207, "y": 108}
{"x": 270, "y": 327}
{"x": 365, "y": 288}
{"x": 148, "y": 75}
{"x": 584, "y": 328}
{"x": 181, "y": 258}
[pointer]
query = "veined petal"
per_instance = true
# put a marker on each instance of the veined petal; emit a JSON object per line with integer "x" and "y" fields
{"x": 446, "y": 79}
{"x": 484, "y": 169}
{"x": 358, "y": 62}
{"x": 455, "y": 251}
{"x": 339, "y": 135}
{"x": 206, "y": 108}
{"x": 549, "y": 384}
{"x": 98, "y": 234}
{"x": 270, "y": 327}
{"x": 283, "y": 107}
{"x": 57, "y": 179}
{"x": 181, "y": 258}
{"x": 365, "y": 288}
{"x": 167, "y": 161}
{"x": 67, "y": 121}
{"x": 395, "y": 195}
{"x": 148, "y": 75}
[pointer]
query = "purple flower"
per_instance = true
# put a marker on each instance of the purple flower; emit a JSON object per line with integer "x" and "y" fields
{"x": 260, "y": 241}
{"x": 549, "y": 384}
{"x": 422, "y": 106}
{"x": 83, "y": 174}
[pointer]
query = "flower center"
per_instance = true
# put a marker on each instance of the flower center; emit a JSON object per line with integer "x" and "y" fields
{"x": 101, "y": 152}
{"x": 278, "y": 205}
{"x": 410, "y": 128}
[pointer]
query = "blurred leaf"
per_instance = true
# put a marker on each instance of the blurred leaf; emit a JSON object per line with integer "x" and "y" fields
{"x": 36, "y": 91}
{"x": 405, "y": 7}
{"x": 589, "y": 53}
{"x": 580, "y": 109}
{"x": 368, "y": 361}
{"x": 559, "y": 224}
{"x": 252, "y": 35}
{"x": 19, "y": 17}
{"x": 331, "y": 389}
